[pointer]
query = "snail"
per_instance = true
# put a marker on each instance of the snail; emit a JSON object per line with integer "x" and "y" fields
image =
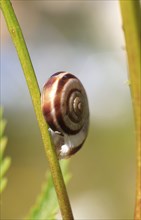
{"x": 65, "y": 108}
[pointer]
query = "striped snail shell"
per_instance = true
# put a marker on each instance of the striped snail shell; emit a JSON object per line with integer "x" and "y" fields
{"x": 65, "y": 108}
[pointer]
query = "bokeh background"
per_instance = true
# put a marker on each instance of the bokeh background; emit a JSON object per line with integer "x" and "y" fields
{"x": 85, "y": 38}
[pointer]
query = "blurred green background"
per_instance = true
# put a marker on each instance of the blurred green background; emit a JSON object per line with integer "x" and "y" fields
{"x": 85, "y": 38}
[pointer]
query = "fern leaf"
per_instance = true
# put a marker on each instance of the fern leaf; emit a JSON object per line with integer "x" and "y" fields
{"x": 46, "y": 206}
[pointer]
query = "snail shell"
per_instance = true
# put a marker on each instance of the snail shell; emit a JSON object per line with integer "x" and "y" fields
{"x": 65, "y": 108}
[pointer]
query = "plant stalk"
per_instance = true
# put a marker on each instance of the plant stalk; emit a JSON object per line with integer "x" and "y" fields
{"x": 23, "y": 54}
{"x": 131, "y": 17}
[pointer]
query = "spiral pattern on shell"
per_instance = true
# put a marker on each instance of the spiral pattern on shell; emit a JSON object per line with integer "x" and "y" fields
{"x": 65, "y": 108}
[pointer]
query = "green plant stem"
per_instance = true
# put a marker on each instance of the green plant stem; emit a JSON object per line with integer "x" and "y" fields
{"x": 131, "y": 16}
{"x": 19, "y": 42}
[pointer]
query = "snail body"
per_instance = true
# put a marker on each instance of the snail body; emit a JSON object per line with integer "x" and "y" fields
{"x": 65, "y": 108}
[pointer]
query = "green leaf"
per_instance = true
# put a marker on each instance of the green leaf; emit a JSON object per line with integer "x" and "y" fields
{"x": 3, "y": 183}
{"x": 2, "y": 127}
{"x": 4, "y": 165}
{"x": 46, "y": 206}
{"x": 2, "y": 123}
{"x": 3, "y": 142}
{"x": 4, "y": 162}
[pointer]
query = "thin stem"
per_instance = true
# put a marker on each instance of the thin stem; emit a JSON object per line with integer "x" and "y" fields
{"x": 19, "y": 42}
{"x": 131, "y": 17}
